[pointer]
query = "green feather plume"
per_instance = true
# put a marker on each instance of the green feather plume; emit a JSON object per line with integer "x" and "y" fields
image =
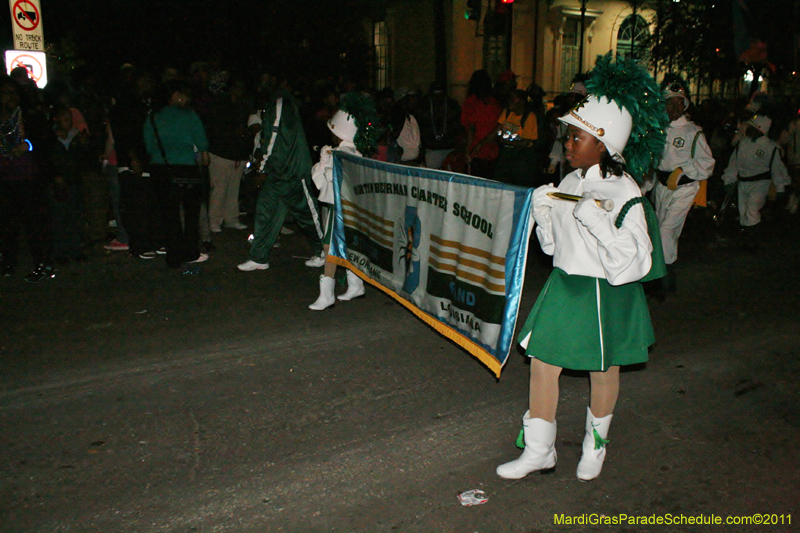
{"x": 362, "y": 108}
{"x": 632, "y": 87}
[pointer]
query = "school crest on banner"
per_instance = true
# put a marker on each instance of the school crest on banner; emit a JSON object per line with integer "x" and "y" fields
{"x": 450, "y": 247}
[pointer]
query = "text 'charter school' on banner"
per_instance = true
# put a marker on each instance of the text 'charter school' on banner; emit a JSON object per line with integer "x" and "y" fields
{"x": 450, "y": 247}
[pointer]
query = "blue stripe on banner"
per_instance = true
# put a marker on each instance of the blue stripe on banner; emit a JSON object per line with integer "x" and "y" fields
{"x": 515, "y": 269}
{"x": 452, "y": 248}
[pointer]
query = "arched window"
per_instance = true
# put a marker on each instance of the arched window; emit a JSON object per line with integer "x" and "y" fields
{"x": 632, "y": 38}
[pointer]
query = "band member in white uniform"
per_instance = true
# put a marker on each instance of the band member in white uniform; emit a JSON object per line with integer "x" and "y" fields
{"x": 686, "y": 161}
{"x": 757, "y": 165}
{"x": 353, "y": 133}
{"x": 592, "y": 313}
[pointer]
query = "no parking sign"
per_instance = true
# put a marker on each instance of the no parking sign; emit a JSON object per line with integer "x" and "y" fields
{"x": 34, "y": 62}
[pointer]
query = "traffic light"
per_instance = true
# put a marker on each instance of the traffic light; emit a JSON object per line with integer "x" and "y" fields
{"x": 473, "y": 11}
{"x": 501, "y": 6}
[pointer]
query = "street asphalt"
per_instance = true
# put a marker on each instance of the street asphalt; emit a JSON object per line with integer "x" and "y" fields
{"x": 135, "y": 398}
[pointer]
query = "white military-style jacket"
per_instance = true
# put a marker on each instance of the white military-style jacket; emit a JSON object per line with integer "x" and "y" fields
{"x": 686, "y": 147}
{"x": 756, "y": 160}
{"x": 322, "y": 172}
{"x": 603, "y": 251}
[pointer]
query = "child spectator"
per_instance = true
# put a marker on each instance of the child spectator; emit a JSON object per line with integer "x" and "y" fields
{"x": 66, "y": 156}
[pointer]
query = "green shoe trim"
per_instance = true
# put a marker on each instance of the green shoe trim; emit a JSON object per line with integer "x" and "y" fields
{"x": 521, "y": 439}
{"x": 599, "y": 442}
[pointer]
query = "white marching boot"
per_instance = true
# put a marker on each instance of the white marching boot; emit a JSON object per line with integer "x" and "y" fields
{"x": 540, "y": 450}
{"x": 326, "y": 298}
{"x": 594, "y": 446}
{"x": 355, "y": 287}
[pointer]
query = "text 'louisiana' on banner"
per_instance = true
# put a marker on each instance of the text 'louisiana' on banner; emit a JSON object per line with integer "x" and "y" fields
{"x": 450, "y": 247}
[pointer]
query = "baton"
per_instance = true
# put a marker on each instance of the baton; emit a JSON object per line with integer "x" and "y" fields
{"x": 608, "y": 205}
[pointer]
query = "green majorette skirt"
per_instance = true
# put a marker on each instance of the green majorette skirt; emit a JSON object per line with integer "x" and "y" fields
{"x": 584, "y": 323}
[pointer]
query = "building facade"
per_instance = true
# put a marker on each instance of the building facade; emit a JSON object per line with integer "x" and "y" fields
{"x": 545, "y": 42}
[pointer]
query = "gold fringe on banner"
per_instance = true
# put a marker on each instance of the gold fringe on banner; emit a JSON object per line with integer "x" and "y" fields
{"x": 459, "y": 338}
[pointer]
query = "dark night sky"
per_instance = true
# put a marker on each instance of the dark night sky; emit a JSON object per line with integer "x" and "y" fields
{"x": 158, "y": 32}
{"x": 142, "y": 30}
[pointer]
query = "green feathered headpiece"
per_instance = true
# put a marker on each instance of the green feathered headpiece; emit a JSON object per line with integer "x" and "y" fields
{"x": 631, "y": 87}
{"x": 361, "y": 107}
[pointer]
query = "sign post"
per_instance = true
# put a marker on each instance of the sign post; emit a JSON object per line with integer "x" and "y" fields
{"x": 26, "y": 24}
{"x": 34, "y": 62}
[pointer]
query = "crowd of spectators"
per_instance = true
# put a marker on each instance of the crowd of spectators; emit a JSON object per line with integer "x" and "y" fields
{"x": 76, "y": 157}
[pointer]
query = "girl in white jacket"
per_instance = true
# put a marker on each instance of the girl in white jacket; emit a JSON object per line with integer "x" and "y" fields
{"x": 345, "y": 129}
{"x": 592, "y": 313}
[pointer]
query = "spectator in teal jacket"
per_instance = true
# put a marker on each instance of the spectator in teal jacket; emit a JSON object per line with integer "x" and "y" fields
{"x": 176, "y": 143}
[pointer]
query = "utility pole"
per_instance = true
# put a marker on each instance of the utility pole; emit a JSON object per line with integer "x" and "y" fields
{"x": 583, "y": 33}
{"x": 635, "y": 29}
{"x": 439, "y": 45}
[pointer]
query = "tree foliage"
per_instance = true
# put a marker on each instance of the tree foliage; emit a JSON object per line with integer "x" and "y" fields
{"x": 695, "y": 37}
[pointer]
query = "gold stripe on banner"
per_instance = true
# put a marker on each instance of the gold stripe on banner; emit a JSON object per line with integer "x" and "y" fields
{"x": 351, "y": 215}
{"x": 469, "y": 249}
{"x": 459, "y": 338}
{"x": 459, "y": 260}
{"x": 380, "y": 220}
{"x": 468, "y": 276}
{"x": 369, "y": 230}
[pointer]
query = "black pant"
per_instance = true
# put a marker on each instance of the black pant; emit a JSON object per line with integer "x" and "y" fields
{"x": 24, "y": 204}
{"x": 179, "y": 202}
{"x": 139, "y": 212}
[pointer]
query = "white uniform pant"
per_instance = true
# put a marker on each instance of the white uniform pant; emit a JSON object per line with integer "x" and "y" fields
{"x": 752, "y": 197}
{"x": 672, "y": 207}
{"x": 225, "y": 177}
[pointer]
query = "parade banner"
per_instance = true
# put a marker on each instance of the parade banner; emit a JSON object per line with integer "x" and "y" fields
{"x": 449, "y": 247}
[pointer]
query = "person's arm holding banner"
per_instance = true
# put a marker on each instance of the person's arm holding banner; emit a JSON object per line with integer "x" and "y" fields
{"x": 542, "y": 203}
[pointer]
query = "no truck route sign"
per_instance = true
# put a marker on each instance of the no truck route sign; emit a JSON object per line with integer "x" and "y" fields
{"x": 26, "y": 24}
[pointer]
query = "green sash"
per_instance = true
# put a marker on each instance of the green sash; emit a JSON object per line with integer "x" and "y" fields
{"x": 658, "y": 269}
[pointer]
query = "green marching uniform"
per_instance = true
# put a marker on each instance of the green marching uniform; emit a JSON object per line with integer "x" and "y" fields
{"x": 608, "y": 325}
{"x": 286, "y": 161}
{"x": 592, "y": 313}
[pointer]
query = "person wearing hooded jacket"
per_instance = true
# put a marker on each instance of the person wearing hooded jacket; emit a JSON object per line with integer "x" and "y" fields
{"x": 284, "y": 159}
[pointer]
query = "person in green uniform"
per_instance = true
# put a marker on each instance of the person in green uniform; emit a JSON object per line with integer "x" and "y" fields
{"x": 286, "y": 162}
{"x": 592, "y": 313}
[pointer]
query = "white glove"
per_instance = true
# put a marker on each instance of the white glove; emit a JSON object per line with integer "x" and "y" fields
{"x": 326, "y": 155}
{"x": 595, "y": 218}
{"x": 587, "y": 211}
{"x": 542, "y": 203}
